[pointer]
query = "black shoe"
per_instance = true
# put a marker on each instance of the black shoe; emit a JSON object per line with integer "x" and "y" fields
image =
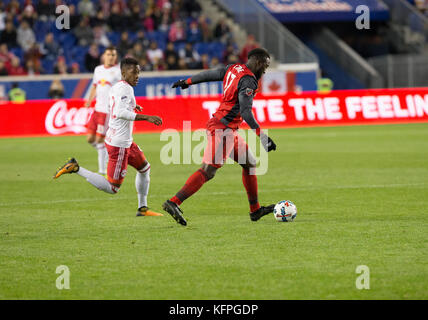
{"x": 262, "y": 211}
{"x": 174, "y": 210}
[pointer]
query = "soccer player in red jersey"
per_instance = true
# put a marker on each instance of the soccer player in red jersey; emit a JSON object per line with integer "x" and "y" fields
{"x": 240, "y": 83}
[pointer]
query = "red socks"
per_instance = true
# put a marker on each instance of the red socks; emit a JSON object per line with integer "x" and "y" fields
{"x": 193, "y": 184}
{"x": 197, "y": 180}
{"x": 250, "y": 184}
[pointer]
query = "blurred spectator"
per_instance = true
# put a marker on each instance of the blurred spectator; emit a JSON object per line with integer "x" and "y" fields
{"x": 5, "y": 55}
{"x": 16, "y": 94}
{"x": 154, "y": 53}
{"x": 8, "y": 35}
{"x": 230, "y": 50}
{"x": 29, "y": 13}
{"x": 124, "y": 44}
{"x": 157, "y": 17}
{"x": 205, "y": 62}
{"x": 116, "y": 21}
{"x": 60, "y": 66}
{"x": 50, "y": 49}
{"x": 86, "y": 8}
{"x": 74, "y": 17}
{"x": 34, "y": 55}
{"x": 215, "y": 63}
{"x": 249, "y": 45}
{"x": 99, "y": 20}
{"x": 135, "y": 19}
{"x": 232, "y": 59}
{"x": 145, "y": 64}
{"x": 15, "y": 68}
{"x": 138, "y": 51}
{"x": 170, "y": 51}
{"x": 13, "y": 8}
{"x": 190, "y": 55}
{"x": 148, "y": 22}
{"x": 83, "y": 32}
{"x": 171, "y": 62}
{"x": 56, "y": 90}
{"x": 104, "y": 7}
{"x": 222, "y": 32}
{"x": 141, "y": 38}
{"x": 2, "y": 17}
{"x": 100, "y": 37}
{"x": 177, "y": 32}
{"x": 25, "y": 36}
{"x": 193, "y": 33}
{"x": 31, "y": 68}
{"x": 205, "y": 28}
{"x": 74, "y": 68}
{"x": 92, "y": 58}
{"x": 159, "y": 64}
{"x": 3, "y": 70}
{"x": 182, "y": 65}
{"x": 192, "y": 8}
{"x": 45, "y": 10}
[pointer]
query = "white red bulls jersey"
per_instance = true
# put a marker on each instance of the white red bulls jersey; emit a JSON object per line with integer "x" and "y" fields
{"x": 122, "y": 114}
{"x": 104, "y": 79}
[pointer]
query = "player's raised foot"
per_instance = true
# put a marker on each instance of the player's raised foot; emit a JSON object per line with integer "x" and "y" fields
{"x": 174, "y": 210}
{"x": 262, "y": 211}
{"x": 71, "y": 166}
{"x": 145, "y": 212}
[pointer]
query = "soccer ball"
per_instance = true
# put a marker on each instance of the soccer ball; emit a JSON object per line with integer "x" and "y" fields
{"x": 285, "y": 211}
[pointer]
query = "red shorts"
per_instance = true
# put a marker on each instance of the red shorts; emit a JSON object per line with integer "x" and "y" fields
{"x": 98, "y": 124}
{"x": 118, "y": 159}
{"x": 224, "y": 142}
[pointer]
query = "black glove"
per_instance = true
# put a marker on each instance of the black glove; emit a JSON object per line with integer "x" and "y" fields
{"x": 180, "y": 83}
{"x": 268, "y": 144}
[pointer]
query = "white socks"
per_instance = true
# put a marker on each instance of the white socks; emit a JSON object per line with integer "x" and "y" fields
{"x": 142, "y": 183}
{"x": 98, "y": 181}
{"x": 102, "y": 157}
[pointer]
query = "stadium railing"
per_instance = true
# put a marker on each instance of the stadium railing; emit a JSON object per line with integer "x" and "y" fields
{"x": 404, "y": 15}
{"x": 348, "y": 59}
{"x": 402, "y": 70}
{"x": 269, "y": 32}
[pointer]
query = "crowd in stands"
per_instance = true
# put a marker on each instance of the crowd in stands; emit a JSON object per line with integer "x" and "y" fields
{"x": 421, "y": 5}
{"x": 161, "y": 34}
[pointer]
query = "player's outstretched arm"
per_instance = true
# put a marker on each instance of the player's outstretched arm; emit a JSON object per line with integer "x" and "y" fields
{"x": 204, "y": 76}
{"x": 152, "y": 119}
{"x": 91, "y": 97}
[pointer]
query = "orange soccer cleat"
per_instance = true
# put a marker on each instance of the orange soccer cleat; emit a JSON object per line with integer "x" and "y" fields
{"x": 145, "y": 212}
{"x": 71, "y": 166}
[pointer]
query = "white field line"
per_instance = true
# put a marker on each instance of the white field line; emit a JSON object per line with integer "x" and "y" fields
{"x": 166, "y": 196}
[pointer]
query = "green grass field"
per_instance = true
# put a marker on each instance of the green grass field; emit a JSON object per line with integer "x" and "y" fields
{"x": 361, "y": 192}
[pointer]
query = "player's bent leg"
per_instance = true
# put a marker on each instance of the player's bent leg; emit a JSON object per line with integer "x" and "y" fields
{"x": 102, "y": 154}
{"x": 192, "y": 185}
{"x": 142, "y": 183}
{"x": 98, "y": 181}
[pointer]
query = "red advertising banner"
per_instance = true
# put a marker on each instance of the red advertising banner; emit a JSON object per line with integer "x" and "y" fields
{"x": 344, "y": 107}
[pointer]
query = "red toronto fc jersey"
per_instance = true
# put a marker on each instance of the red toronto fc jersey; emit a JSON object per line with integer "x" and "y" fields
{"x": 228, "y": 112}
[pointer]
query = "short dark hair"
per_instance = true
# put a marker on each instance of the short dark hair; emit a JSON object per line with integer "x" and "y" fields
{"x": 259, "y": 54}
{"x": 128, "y": 62}
{"x": 110, "y": 48}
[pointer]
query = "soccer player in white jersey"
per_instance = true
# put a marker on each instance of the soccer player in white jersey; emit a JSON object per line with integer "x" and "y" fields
{"x": 105, "y": 76}
{"x": 120, "y": 146}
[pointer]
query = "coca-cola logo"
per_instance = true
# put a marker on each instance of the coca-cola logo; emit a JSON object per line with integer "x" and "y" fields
{"x": 60, "y": 119}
